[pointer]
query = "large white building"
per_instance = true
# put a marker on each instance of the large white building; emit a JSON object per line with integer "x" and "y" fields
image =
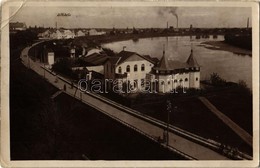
{"x": 142, "y": 72}
{"x": 168, "y": 75}
{"x": 128, "y": 67}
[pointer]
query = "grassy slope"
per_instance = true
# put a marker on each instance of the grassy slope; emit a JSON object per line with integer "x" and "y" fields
{"x": 193, "y": 116}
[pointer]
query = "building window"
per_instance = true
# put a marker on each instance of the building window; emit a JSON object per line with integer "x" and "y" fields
{"x": 142, "y": 67}
{"x": 175, "y": 81}
{"x": 186, "y": 79}
{"x": 169, "y": 82}
{"x": 135, "y": 68}
{"x": 181, "y": 80}
{"x": 128, "y": 68}
{"x": 197, "y": 79}
{"x": 120, "y": 70}
{"x": 162, "y": 83}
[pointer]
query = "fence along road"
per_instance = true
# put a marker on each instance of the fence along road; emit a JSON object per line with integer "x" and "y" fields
{"x": 190, "y": 146}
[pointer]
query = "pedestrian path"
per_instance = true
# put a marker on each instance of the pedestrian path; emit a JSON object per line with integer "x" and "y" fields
{"x": 238, "y": 130}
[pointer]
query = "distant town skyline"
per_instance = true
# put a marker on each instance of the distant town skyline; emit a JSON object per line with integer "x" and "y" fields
{"x": 139, "y": 17}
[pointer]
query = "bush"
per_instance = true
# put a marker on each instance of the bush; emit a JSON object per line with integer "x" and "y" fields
{"x": 63, "y": 66}
{"x": 216, "y": 80}
{"x": 243, "y": 86}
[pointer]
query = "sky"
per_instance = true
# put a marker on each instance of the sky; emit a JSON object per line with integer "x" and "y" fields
{"x": 139, "y": 17}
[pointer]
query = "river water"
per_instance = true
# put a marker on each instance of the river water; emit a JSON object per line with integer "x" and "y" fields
{"x": 230, "y": 66}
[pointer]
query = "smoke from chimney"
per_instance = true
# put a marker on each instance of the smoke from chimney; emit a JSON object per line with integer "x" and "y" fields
{"x": 169, "y": 10}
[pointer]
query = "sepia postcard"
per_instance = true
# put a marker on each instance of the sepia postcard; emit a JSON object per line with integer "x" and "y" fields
{"x": 129, "y": 83}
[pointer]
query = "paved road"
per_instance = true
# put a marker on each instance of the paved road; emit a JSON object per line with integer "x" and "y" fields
{"x": 184, "y": 145}
{"x": 238, "y": 130}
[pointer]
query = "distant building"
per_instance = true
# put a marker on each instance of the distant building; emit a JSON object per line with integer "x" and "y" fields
{"x": 80, "y": 33}
{"x": 94, "y": 32}
{"x": 46, "y": 34}
{"x": 58, "y": 34}
{"x": 67, "y": 34}
{"x": 17, "y": 26}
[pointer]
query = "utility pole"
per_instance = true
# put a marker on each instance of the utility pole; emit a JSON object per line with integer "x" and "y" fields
{"x": 169, "y": 109}
{"x": 44, "y": 49}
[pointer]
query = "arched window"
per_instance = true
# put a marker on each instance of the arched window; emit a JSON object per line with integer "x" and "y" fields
{"x": 181, "y": 80}
{"x": 135, "y": 68}
{"x": 175, "y": 81}
{"x": 186, "y": 79}
{"x": 142, "y": 67}
{"x": 197, "y": 79}
{"x": 120, "y": 70}
{"x": 169, "y": 82}
{"x": 162, "y": 83}
{"x": 128, "y": 68}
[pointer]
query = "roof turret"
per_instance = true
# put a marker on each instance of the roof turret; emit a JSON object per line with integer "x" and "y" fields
{"x": 191, "y": 61}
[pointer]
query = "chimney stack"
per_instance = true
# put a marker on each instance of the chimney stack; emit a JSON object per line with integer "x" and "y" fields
{"x": 177, "y": 22}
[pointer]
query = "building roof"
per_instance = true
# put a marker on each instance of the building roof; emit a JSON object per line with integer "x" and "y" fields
{"x": 95, "y": 59}
{"x": 114, "y": 60}
{"x": 124, "y": 55}
{"x": 154, "y": 59}
{"x": 166, "y": 64}
{"x": 191, "y": 61}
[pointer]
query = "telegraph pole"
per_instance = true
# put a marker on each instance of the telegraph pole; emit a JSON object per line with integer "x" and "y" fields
{"x": 44, "y": 49}
{"x": 169, "y": 110}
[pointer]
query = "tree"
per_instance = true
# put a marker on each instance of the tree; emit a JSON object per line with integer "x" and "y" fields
{"x": 216, "y": 80}
{"x": 243, "y": 86}
{"x": 22, "y": 37}
{"x": 63, "y": 66}
{"x": 109, "y": 52}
